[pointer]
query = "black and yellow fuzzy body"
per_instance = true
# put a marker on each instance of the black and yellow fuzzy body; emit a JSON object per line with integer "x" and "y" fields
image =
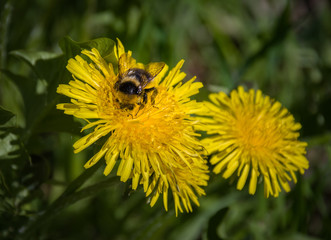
{"x": 131, "y": 85}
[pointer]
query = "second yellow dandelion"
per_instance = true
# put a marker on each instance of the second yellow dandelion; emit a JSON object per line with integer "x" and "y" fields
{"x": 251, "y": 135}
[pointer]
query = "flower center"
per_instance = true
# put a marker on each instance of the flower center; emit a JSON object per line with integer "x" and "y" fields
{"x": 155, "y": 124}
{"x": 151, "y": 126}
{"x": 257, "y": 131}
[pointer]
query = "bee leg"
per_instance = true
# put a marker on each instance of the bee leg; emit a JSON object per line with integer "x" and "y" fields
{"x": 142, "y": 103}
{"x": 149, "y": 89}
{"x": 155, "y": 92}
{"x": 126, "y": 106}
{"x": 145, "y": 96}
{"x": 129, "y": 114}
{"x": 141, "y": 106}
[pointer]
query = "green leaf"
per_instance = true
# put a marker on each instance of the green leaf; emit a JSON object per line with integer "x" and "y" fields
{"x": 32, "y": 57}
{"x": 105, "y": 46}
{"x": 5, "y": 116}
{"x": 79, "y": 181}
{"x": 84, "y": 193}
{"x": 39, "y": 90}
{"x": 25, "y": 85}
{"x": 47, "y": 66}
{"x": 56, "y": 121}
{"x": 8, "y": 146}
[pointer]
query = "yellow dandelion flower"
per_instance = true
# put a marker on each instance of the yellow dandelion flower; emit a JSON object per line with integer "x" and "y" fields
{"x": 147, "y": 121}
{"x": 253, "y": 134}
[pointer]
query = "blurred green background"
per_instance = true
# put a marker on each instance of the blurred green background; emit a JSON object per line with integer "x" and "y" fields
{"x": 281, "y": 47}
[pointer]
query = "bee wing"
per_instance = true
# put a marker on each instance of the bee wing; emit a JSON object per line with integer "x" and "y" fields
{"x": 154, "y": 68}
{"x": 126, "y": 62}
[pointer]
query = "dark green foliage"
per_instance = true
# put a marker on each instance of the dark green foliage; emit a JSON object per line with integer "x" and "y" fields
{"x": 280, "y": 47}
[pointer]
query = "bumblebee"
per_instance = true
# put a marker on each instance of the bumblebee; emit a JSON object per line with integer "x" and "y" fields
{"x": 132, "y": 82}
